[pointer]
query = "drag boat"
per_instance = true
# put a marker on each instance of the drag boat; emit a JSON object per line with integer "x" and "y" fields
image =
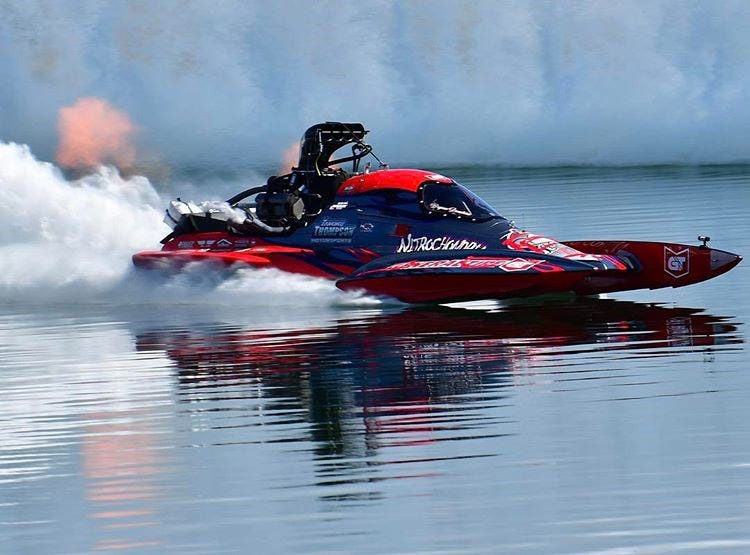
{"x": 411, "y": 234}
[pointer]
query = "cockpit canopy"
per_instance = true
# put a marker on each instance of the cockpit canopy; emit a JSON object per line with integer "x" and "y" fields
{"x": 416, "y": 194}
{"x": 453, "y": 200}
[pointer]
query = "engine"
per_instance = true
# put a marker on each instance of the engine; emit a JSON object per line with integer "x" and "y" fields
{"x": 286, "y": 202}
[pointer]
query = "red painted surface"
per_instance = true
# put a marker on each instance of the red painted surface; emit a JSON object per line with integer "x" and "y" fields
{"x": 405, "y": 180}
{"x": 659, "y": 265}
{"x": 296, "y": 261}
{"x": 424, "y": 288}
{"x": 655, "y": 265}
{"x": 227, "y": 249}
{"x": 531, "y": 242}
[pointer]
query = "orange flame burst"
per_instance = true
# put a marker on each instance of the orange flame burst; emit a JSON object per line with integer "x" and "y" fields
{"x": 290, "y": 157}
{"x": 92, "y": 133}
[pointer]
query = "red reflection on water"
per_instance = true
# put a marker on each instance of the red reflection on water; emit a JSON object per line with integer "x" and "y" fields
{"x": 416, "y": 378}
{"x": 122, "y": 466}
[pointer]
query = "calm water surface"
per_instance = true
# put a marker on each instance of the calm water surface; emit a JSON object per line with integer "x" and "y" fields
{"x": 618, "y": 425}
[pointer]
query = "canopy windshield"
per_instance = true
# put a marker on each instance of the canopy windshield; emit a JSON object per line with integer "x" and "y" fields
{"x": 454, "y": 200}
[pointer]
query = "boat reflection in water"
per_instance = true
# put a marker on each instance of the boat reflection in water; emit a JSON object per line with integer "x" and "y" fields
{"x": 377, "y": 381}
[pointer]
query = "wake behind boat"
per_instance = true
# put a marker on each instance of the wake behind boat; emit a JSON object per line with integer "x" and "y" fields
{"x": 411, "y": 234}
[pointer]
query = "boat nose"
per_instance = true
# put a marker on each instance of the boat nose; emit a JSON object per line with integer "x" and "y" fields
{"x": 722, "y": 261}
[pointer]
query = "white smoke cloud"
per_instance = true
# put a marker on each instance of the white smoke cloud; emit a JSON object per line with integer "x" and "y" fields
{"x": 76, "y": 234}
{"x": 72, "y": 241}
{"x": 637, "y": 81}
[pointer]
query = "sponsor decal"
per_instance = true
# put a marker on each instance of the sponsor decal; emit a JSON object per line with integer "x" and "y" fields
{"x": 205, "y": 243}
{"x": 611, "y": 246}
{"x": 338, "y": 206}
{"x": 223, "y": 244}
{"x": 522, "y": 241}
{"x": 185, "y": 245}
{"x": 535, "y": 243}
{"x": 367, "y": 227}
{"x": 505, "y": 264}
{"x": 444, "y": 243}
{"x": 676, "y": 263}
{"x": 425, "y": 265}
{"x": 519, "y": 265}
{"x": 333, "y": 231}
